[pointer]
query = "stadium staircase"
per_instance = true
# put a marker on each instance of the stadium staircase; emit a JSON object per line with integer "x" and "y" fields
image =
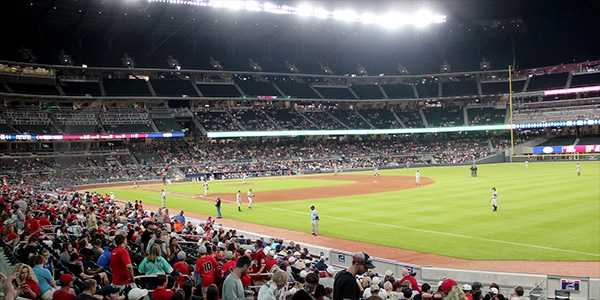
{"x": 307, "y": 118}
{"x": 423, "y": 118}
{"x": 397, "y": 118}
{"x": 465, "y": 116}
{"x": 339, "y": 121}
{"x": 363, "y": 118}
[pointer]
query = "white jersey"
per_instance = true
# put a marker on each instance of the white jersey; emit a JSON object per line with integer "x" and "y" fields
{"x": 238, "y": 198}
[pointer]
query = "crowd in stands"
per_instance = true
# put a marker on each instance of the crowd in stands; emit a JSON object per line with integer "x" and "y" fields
{"x": 83, "y": 246}
{"x": 176, "y": 158}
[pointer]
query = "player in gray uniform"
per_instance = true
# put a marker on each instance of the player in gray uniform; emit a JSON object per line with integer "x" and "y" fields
{"x": 578, "y": 168}
{"x": 417, "y": 178}
{"x": 495, "y": 199}
{"x": 238, "y": 199}
{"x": 250, "y": 196}
{"x": 205, "y": 188}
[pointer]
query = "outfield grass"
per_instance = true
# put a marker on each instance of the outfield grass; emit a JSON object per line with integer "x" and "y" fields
{"x": 545, "y": 213}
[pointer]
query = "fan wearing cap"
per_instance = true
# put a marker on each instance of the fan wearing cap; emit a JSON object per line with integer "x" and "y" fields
{"x": 259, "y": 260}
{"x": 345, "y": 285}
{"x": 450, "y": 289}
{"x": 66, "y": 291}
{"x": 327, "y": 281}
{"x": 270, "y": 262}
{"x": 494, "y": 293}
{"x": 182, "y": 268}
{"x": 228, "y": 265}
{"x": 161, "y": 292}
{"x": 138, "y": 294}
{"x": 110, "y": 292}
{"x": 208, "y": 269}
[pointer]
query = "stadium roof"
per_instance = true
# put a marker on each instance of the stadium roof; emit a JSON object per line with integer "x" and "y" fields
{"x": 542, "y": 33}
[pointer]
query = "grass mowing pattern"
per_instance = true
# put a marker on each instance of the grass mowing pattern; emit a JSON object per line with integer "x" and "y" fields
{"x": 544, "y": 213}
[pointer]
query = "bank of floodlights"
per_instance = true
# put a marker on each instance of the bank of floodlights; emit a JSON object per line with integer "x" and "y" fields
{"x": 292, "y": 68}
{"x": 254, "y": 65}
{"x": 445, "y": 67}
{"x": 65, "y": 58}
{"x": 173, "y": 63}
{"x": 215, "y": 64}
{"x": 128, "y": 62}
{"x": 325, "y": 69}
{"x": 403, "y": 70}
{"x": 361, "y": 71}
{"x": 484, "y": 64}
{"x": 418, "y": 18}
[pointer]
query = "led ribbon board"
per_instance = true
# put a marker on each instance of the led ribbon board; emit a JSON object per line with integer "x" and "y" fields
{"x": 119, "y": 136}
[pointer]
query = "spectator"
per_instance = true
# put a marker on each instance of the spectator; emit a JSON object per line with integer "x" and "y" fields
{"x": 275, "y": 288}
{"x": 212, "y": 293}
{"x": 120, "y": 264}
{"x": 408, "y": 276}
{"x": 89, "y": 290}
{"x": 232, "y": 286}
{"x": 44, "y": 277}
{"x": 110, "y": 292}
{"x": 66, "y": 288}
{"x": 28, "y": 285}
{"x": 517, "y": 294}
{"x": 154, "y": 263}
{"x": 345, "y": 285}
{"x": 207, "y": 268}
{"x": 311, "y": 290}
{"x": 161, "y": 292}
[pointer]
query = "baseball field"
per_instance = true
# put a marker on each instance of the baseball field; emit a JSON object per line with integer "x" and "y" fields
{"x": 546, "y": 212}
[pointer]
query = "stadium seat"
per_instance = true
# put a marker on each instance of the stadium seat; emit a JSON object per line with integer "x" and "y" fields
{"x": 536, "y": 293}
{"x": 562, "y": 295}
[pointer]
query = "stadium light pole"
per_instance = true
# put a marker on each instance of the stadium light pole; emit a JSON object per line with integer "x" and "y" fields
{"x": 510, "y": 108}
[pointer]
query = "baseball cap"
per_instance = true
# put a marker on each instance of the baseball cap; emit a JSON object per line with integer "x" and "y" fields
{"x": 271, "y": 253}
{"x": 303, "y": 273}
{"x": 447, "y": 285}
{"x": 109, "y": 289}
{"x": 297, "y": 253}
{"x": 374, "y": 288}
{"x": 137, "y": 294}
{"x": 389, "y": 273}
{"x": 202, "y": 249}
{"x": 466, "y": 287}
{"x": 376, "y": 280}
{"x": 292, "y": 259}
{"x": 330, "y": 270}
{"x": 363, "y": 258}
{"x": 300, "y": 265}
{"x": 181, "y": 255}
{"x": 65, "y": 278}
{"x": 494, "y": 291}
{"x": 228, "y": 255}
{"x": 476, "y": 285}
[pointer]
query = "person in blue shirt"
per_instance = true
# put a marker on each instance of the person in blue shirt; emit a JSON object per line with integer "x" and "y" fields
{"x": 45, "y": 280}
{"x": 315, "y": 221}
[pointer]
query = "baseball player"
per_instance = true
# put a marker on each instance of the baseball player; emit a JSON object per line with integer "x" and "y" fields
{"x": 163, "y": 197}
{"x": 244, "y": 177}
{"x": 205, "y": 188}
{"x": 526, "y": 164}
{"x": 250, "y": 196}
{"x": 495, "y": 199}
{"x": 417, "y": 178}
{"x": 578, "y": 168}
{"x": 376, "y": 171}
{"x": 238, "y": 199}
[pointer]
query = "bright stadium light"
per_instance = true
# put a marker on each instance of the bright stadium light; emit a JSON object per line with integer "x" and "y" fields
{"x": 392, "y": 20}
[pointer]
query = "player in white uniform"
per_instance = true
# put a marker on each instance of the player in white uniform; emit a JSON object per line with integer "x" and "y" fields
{"x": 238, "y": 199}
{"x": 526, "y": 164}
{"x": 250, "y": 196}
{"x": 495, "y": 199}
{"x": 417, "y": 178}
{"x": 376, "y": 171}
{"x": 244, "y": 177}
{"x": 163, "y": 197}
{"x": 578, "y": 168}
{"x": 205, "y": 188}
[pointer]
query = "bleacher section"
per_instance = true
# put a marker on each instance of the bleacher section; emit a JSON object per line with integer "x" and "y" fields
{"x": 335, "y": 92}
{"x": 297, "y": 90}
{"x": 589, "y": 140}
{"x": 584, "y": 112}
{"x": 410, "y": 117}
{"x": 32, "y": 89}
{"x": 486, "y": 116}
{"x": 288, "y": 119}
{"x": 216, "y": 120}
{"x": 399, "y": 91}
{"x": 126, "y": 87}
{"x": 77, "y": 122}
{"x": 125, "y": 121}
{"x": 30, "y": 122}
{"x": 585, "y": 79}
{"x": 501, "y": 87}
{"x": 173, "y": 88}
{"x": 218, "y": 90}
{"x": 466, "y": 87}
{"x": 163, "y": 119}
{"x": 350, "y": 118}
{"x": 380, "y": 118}
{"x": 428, "y": 90}
{"x": 444, "y": 117}
{"x": 323, "y": 120}
{"x": 559, "y": 141}
{"x": 254, "y": 88}
{"x": 81, "y": 88}
{"x": 548, "y": 81}
{"x": 252, "y": 119}
{"x": 367, "y": 91}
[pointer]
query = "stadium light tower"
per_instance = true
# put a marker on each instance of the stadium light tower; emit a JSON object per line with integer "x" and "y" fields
{"x": 325, "y": 69}
{"x": 484, "y": 64}
{"x": 215, "y": 64}
{"x": 173, "y": 63}
{"x": 65, "y": 58}
{"x": 128, "y": 61}
{"x": 291, "y": 67}
{"x": 445, "y": 67}
{"x": 254, "y": 65}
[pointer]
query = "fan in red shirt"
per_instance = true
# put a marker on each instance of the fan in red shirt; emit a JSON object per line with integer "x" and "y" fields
{"x": 32, "y": 225}
{"x": 229, "y": 264}
{"x": 208, "y": 268}
{"x": 120, "y": 263}
{"x": 161, "y": 292}
{"x": 407, "y": 276}
{"x": 259, "y": 260}
{"x": 182, "y": 268}
{"x": 271, "y": 262}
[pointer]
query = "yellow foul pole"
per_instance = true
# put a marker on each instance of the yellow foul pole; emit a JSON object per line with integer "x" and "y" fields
{"x": 510, "y": 108}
